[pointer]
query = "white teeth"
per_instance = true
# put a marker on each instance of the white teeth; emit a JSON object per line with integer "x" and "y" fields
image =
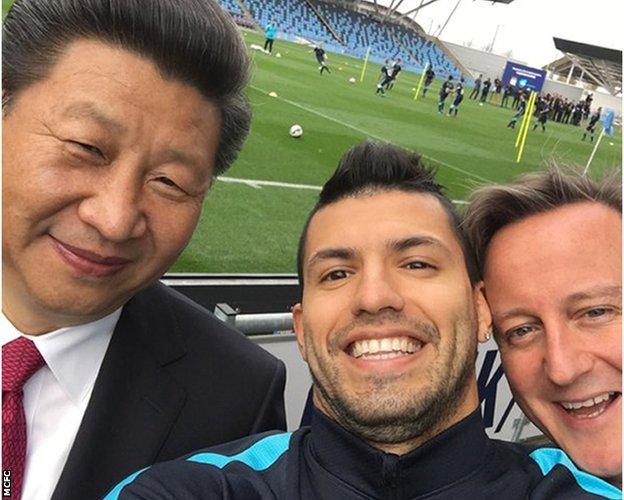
{"x": 373, "y": 346}
{"x": 385, "y": 345}
{"x": 386, "y": 348}
{"x": 587, "y": 403}
{"x": 396, "y": 344}
{"x": 382, "y": 355}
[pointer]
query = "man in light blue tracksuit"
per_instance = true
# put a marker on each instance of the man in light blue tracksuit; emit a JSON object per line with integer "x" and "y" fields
{"x": 269, "y": 32}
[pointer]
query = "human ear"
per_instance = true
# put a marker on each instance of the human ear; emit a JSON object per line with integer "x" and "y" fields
{"x": 298, "y": 327}
{"x": 484, "y": 315}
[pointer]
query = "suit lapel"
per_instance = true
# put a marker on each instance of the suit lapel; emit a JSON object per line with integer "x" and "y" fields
{"x": 134, "y": 402}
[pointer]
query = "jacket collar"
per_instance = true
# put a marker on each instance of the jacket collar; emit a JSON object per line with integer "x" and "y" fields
{"x": 134, "y": 402}
{"x": 445, "y": 459}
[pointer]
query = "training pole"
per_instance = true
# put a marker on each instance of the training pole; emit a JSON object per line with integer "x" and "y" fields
{"x": 526, "y": 128}
{"x": 420, "y": 82}
{"x": 593, "y": 152}
{"x": 365, "y": 63}
{"x": 525, "y": 118}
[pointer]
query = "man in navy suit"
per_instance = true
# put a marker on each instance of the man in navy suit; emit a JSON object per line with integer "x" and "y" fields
{"x": 117, "y": 117}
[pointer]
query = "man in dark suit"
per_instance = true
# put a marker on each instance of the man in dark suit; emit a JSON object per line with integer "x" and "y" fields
{"x": 117, "y": 116}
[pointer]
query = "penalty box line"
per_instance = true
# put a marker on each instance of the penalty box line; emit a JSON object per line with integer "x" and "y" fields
{"x": 257, "y": 184}
{"x": 368, "y": 134}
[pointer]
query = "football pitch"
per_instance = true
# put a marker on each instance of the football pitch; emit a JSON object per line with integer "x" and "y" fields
{"x": 252, "y": 217}
{"x": 250, "y": 226}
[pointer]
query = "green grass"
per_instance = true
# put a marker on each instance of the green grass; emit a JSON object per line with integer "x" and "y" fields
{"x": 247, "y": 229}
{"x": 6, "y": 5}
{"x": 255, "y": 230}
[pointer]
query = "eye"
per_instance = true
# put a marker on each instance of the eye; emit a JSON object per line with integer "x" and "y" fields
{"x": 335, "y": 275}
{"x": 418, "y": 264}
{"x": 521, "y": 331}
{"x": 599, "y": 314}
{"x": 520, "y": 334}
{"x": 88, "y": 148}
{"x": 166, "y": 181}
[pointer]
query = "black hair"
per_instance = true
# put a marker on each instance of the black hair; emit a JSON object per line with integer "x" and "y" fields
{"x": 370, "y": 167}
{"x": 193, "y": 41}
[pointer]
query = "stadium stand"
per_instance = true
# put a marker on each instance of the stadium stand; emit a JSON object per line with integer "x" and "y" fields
{"x": 295, "y": 19}
{"x": 589, "y": 64}
{"x": 426, "y": 51}
{"x": 241, "y": 16}
{"x": 359, "y": 31}
{"x": 346, "y": 31}
{"x": 480, "y": 61}
{"x": 232, "y": 6}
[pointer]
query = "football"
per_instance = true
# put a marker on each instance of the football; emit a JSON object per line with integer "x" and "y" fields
{"x": 296, "y": 131}
{"x": 352, "y": 80}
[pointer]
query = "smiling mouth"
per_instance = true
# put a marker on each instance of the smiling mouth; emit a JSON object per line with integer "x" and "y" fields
{"x": 89, "y": 263}
{"x": 383, "y": 349}
{"x": 591, "y": 407}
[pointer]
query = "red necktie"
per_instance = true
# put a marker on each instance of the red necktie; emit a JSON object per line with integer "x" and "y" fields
{"x": 20, "y": 360}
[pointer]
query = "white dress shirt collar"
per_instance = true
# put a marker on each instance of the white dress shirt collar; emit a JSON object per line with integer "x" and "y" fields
{"x": 74, "y": 354}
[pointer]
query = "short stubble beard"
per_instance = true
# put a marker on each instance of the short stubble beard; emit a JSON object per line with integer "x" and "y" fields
{"x": 382, "y": 416}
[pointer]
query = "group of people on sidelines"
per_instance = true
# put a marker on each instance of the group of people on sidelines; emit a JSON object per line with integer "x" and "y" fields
{"x": 116, "y": 386}
{"x": 542, "y": 110}
{"x": 481, "y": 89}
{"x": 548, "y": 106}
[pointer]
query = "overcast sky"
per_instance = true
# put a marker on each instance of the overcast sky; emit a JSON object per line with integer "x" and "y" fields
{"x": 526, "y": 27}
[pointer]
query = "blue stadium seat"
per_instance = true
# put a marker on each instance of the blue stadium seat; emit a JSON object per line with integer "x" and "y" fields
{"x": 232, "y": 6}
{"x": 357, "y": 31}
{"x": 294, "y": 19}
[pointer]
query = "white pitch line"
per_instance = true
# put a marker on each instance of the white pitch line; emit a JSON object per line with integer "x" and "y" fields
{"x": 367, "y": 133}
{"x": 256, "y": 183}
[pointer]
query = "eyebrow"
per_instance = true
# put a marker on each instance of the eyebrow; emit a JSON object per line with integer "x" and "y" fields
{"x": 595, "y": 292}
{"x": 394, "y": 245}
{"x": 516, "y": 311}
{"x": 416, "y": 241}
{"x": 331, "y": 253}
{"x": 85, "y": 109}
{"x": 592, "y": 293}
{"x": 179, "y": 156}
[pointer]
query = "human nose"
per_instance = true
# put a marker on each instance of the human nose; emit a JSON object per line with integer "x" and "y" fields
{"x": 376, "y": 290}
{"x": 566, "y": 358}
{"x": 113, "y": 207}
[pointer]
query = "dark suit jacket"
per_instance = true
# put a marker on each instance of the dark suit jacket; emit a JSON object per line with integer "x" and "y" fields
{"x": 174, "y": 379}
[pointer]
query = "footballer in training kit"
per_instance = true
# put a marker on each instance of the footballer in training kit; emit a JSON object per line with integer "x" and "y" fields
{"x": 325, "y": 461}
{"x": 319, "y": 52}
{"x": 459, "y": 97}
{"x": 445, "y": 90}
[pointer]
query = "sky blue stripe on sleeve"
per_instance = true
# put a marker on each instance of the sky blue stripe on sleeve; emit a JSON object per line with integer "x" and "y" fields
{"x": 260, "y": 456}
{"x": 548, "y": 458}
{"x": 114, "y": 494}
